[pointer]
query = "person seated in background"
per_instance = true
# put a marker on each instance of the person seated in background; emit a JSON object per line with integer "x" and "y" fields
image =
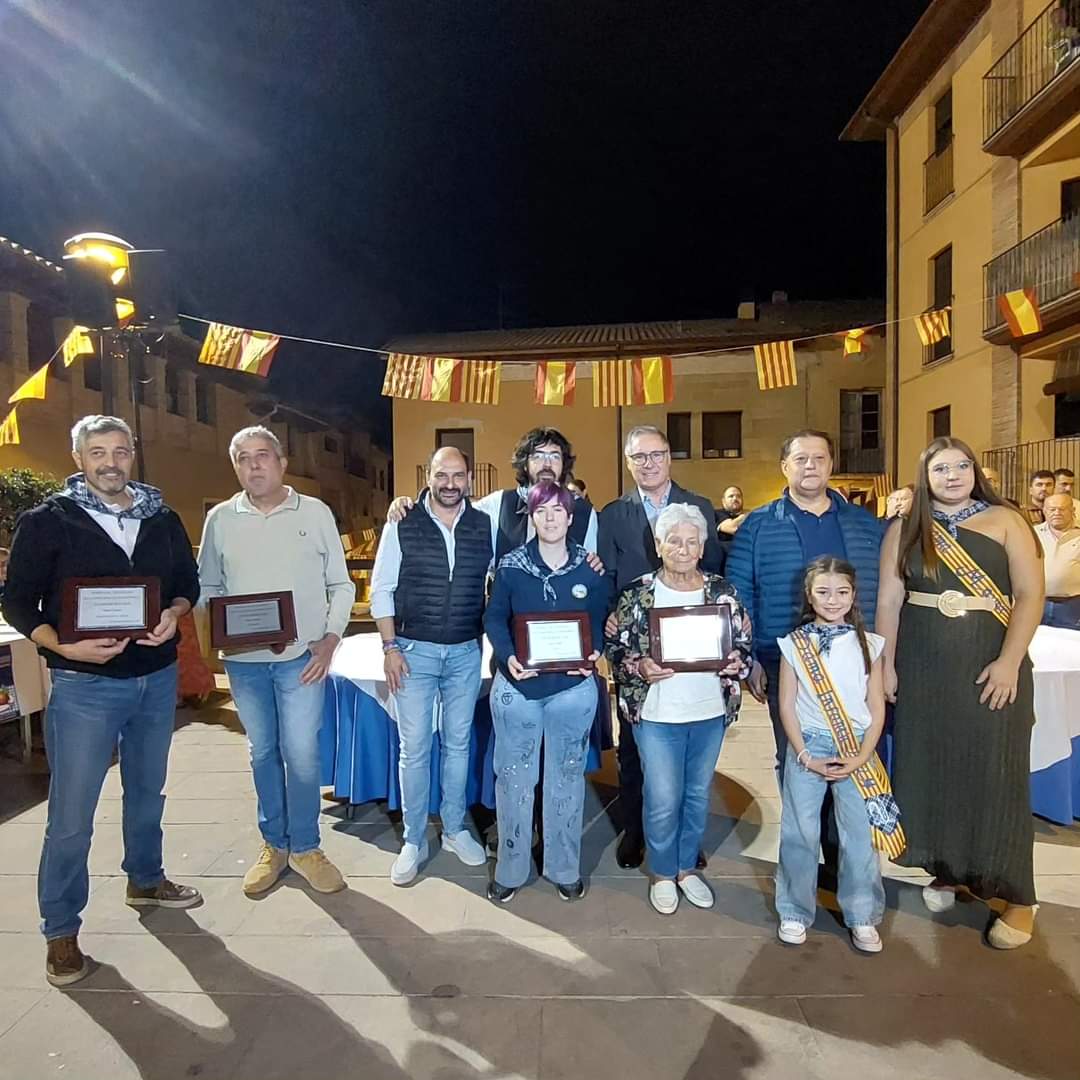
{"x": 730, "y": 515}
{"x": 898, "y": 504}
{"x": 1059, "y": 535}
{"x": 1040, "y": 485}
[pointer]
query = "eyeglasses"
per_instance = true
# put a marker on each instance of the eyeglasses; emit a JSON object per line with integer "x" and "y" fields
{"x": 550, "y": 456}
{"x": 961, "y": 468}
{"x": 655, "y": 456}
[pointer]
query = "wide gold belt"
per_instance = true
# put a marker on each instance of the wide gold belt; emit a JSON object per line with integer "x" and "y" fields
{"x": 951, "y": 603}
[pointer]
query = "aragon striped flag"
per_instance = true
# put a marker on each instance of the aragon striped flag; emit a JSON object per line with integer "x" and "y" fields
{"x": 556, "y": 381}
{"x": 442, "y": 378}
{"x": 9, "y": 430}
{"x": 647, "y": 380}
{"x": 1020, "y": 309}
{"x": 77, "y": 343}
{"x": 612, "y": 383}
{"x": 776, "y": 366}
{"x": 933, "y": 326}
{"x": 404, "y": 376}
{"x": 249, "y": 351}
{"x": 33, "y": 388}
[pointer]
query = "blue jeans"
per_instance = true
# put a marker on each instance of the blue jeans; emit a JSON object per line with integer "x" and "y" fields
{"x": 860, "y": 893}
{"x": 1062, "y": 613}
{"x": 88, "y": 717}
{"x": 451, "y": 674}
{"x": 679, "y": 761}
{"x": 282, "y": 718}
{"x": 563, "y": 722}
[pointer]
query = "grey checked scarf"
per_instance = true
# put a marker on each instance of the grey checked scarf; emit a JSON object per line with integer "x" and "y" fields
{"x": 523, "y": 559}
{"x": 146, "y": 501}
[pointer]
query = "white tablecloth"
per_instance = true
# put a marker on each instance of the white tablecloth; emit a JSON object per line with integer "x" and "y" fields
{"x": 1055, "y": 654}
{"x": 32, "y": 683}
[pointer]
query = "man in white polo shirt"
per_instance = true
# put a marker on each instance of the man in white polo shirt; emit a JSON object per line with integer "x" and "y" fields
{"x": 1060, "y": 539}
{"x": 269, "y": 538}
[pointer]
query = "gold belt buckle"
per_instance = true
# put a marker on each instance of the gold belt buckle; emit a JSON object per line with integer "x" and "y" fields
{"x": 949, "y": 604}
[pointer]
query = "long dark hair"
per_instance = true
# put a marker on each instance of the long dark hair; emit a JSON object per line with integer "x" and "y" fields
{"x": 529, "y": 442}
{"x": 829, "y": 564}
{"x": 918, "y": 529}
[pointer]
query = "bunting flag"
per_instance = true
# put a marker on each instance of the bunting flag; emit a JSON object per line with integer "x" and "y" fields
{"x": 556, "y": 381}
{"x": 249, "y": 351}
{"x": 442, "y": 378}
{"x": 1021, "y": 311}
{"x": 77, "y": 343}
{"x": 776, "y": 366}
{"x": 404, "y": 376}
{"x": 652, "y": 379}
{"x": 612, "y": 383}
{"x": 856, "y": 341}
{"x": 933, "y": 326}
{"x": 9, "y": 430}
{"x": 33, "y": 389}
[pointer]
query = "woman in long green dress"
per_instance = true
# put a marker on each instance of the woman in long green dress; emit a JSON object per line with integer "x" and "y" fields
{"x": 956, "y": 665}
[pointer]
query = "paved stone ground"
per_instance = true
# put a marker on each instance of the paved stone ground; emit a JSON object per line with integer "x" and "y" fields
{"x": 433, "y": 981}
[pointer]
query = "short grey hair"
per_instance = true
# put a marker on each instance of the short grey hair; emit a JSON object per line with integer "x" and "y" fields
{"x": 97, "y": 425}
{"x": 256, "y": 431}
{"x": 675, "y": 514}
{"x": 642, "y": 429}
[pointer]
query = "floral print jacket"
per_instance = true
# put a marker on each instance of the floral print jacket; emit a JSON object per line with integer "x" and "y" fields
{"x": 631, "y": 643}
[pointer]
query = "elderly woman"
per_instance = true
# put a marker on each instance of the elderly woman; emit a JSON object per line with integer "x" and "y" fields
{"x": 549, "y": 574}
{"x": 679, "y": 719}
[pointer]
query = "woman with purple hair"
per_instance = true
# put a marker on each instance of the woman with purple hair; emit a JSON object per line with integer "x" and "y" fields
{"x": 530, "y": 708}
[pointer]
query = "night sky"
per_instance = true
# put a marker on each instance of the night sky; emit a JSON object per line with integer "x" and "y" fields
{"x": 353, "y": 170}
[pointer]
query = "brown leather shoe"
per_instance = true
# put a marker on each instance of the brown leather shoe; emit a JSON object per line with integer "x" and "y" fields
{"x": 164, "y": 894}
{"x": 64, "y": 961}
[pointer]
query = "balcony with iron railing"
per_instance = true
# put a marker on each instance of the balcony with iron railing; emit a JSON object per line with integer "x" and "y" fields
{"x": 485, "y": 479}
{"x": 1035, "y": 85}
{"x": 1015, "y": 464}
{"x": 938, "y": 177}
{"x": 1048, "y": 262}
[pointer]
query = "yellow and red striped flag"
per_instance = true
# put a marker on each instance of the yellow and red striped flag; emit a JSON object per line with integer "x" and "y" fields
{"x": 404, "y": 376}
{"x": 776, "y": 366}
{"x": 1021, "y": 311}
{"x": 653, "y": 382}
{"x": 77, "y": 343}
{"x": 556, "y": 381}
{"x": 9, "y": 430}
{"x": 33, "y": 388}
{"x": 856, "y": 341}
{"x": 933, "y": 326}
{"x": 449, "y": 379}
{"x": 613, "y": 383}
{"x": 249, "y": 351}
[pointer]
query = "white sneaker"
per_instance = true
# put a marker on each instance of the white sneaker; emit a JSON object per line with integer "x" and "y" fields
{"x": 697, "y": 891}
{"x": 465, "y": 847}
{"x": 791, "y": 932}
{"x": 866, "y": 939}
{"x": 407, "y": 864}
{"x": 938, "y": 899}
{"x": 664, "y": 896}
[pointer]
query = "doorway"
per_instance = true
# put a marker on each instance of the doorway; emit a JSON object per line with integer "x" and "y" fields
{"x": 460, "y": 438}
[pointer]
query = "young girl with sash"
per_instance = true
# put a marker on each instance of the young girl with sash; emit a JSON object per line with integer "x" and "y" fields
{"x": 961, "y": 595}
{"x": 832, "y": 706}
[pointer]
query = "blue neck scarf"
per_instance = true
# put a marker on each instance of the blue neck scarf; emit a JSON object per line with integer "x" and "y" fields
{"x": 952, "y": 522}
{"x": 826, "y": 635}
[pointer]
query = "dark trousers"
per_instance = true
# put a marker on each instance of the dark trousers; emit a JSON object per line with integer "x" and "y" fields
{"x": 1063, "y": 612}
{"x": 630, "y": 781}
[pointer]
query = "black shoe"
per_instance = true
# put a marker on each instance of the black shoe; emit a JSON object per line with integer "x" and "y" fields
{"x": 702, "y": 862}
{"x": 572, "y": 892}
{"x": 499, "y": 894}
{"x": 631, "y": 851}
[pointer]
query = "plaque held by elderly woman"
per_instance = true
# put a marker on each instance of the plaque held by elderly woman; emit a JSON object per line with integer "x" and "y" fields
{"x": 553, "y": 641}
{"x": 108, "y": 607}
{"x": 692, "y": 638}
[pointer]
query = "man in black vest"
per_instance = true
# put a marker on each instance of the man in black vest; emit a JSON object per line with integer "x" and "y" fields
{"x": 628, "y": 550}
{"x": 427, "y": 599}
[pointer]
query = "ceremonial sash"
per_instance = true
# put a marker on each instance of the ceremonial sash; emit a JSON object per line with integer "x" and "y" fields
{"x": 871, "y": 779}
{"x": 970, "y": 574}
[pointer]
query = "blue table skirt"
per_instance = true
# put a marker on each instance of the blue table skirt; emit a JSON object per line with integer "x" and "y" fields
{"x": 358, "y": 745}
{"x": 1055, "y": 791}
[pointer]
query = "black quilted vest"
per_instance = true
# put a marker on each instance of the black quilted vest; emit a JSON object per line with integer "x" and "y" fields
{"x": 514, "y": 522}
{"x": 429, "y": 605}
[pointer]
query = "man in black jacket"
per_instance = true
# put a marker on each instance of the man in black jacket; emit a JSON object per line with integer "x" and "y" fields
{"x": 627, "y": 550}
{"x": 108, "y": 691}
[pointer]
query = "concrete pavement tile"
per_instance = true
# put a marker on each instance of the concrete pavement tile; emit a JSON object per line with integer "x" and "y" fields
{"x": 222, "y": 757}
{"x": 211, "y": 785}
{"x": 538, "y": 911}
{"x": 14, "y": 1005}
{"x": 692, "y": 1039}
{"x": 20, "y": 847}
{"x": 188, "y": 849}
{"x": 1057, "y": 859}
{"x": 23, "y": 954}
{"x": 947, "y": 1038}
{"x": 311, "y": 965}
{"x": 18, "y": 903}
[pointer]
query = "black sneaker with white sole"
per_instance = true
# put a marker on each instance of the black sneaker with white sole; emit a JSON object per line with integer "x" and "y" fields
{"x": 574, "y": 891}
{"x": 500, "y": 894}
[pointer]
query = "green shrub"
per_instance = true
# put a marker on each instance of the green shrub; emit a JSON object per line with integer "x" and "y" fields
{"x": 22, "y": 489}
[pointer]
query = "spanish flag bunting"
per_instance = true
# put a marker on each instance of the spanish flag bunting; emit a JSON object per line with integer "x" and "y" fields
{"x": 933, "y": 326}
{"x": 856, "y": 341}
{"x": 556, "y": 381}
{"x": 33, "y": 388}
{"x": 442, "y": 378}
{"x": 653, "y": 382}
{"x": 9, "y": 430}
{"x": 77, "y": 343}
{"x": 776, "y": 366}
{"x": 249, "y": 351}
{"x": 404, "y": 376}
{"x": 1021, "y": 311}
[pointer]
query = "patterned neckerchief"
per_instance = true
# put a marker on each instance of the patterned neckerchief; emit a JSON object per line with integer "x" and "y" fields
{"x": 827, "y": 634}
{"x": 952, "y": 522}
{"x": 527, "y": 559}
{"x": 146, "y": 501}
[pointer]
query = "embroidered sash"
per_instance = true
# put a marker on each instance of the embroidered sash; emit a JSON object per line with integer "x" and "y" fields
{"x": 971, "y": 575}
{"x": 871, "y": 779}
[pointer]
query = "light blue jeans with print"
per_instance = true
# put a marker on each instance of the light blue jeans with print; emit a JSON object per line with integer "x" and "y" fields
{"x": 452, "y": 674}
{"x": 282, "y": 717}
{"x": 678, "y": 761}
{"x": 562, "y": 722}
{"x": 89, "y": 717}
{"x": 860, "y": 893}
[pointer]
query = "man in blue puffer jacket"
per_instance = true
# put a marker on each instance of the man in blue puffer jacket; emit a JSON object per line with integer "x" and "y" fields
{"x": 773, "y": 546}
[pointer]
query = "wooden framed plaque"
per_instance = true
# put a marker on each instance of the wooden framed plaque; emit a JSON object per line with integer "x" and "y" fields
{"x": 694, "y": 638}
{"x": 253, "y": 621}
{"x": 553, "y": 640}
{"x": 108, "y": 607}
